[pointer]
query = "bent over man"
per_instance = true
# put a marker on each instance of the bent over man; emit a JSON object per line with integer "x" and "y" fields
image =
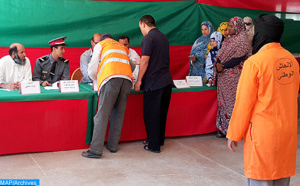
{"x": 114, "y": 79}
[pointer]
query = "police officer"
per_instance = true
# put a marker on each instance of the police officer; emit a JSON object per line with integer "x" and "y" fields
{"x": 53, "y": 67}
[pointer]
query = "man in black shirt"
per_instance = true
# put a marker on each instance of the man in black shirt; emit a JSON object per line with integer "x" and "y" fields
{"x": 156, "y": 81}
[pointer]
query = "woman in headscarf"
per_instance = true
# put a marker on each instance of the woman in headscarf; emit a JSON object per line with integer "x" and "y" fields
{"x": 235, "y": 49}
{"x": 198, "y": 53}
{"x": 223, "y": 28}
{"x": 249, "y": 28}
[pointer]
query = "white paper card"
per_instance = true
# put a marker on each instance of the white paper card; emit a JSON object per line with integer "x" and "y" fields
{"x": 52, "y": 87}
{"x": 68, "y": 86}
{"x": 95, "y": 86}
{"x": 181, "y": 84}
{"x": 194, "y": 81}
{"x": 30, "y": 87}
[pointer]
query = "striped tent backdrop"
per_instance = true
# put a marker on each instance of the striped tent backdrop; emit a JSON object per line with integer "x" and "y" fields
{"x": 33, "y": 23}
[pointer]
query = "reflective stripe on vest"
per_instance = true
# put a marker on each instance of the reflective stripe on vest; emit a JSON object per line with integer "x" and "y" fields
{"x": 114, "y": 61}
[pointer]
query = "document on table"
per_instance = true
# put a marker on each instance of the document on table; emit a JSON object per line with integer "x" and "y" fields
{"x": 52, "y": 87}
{"x": 181, "y": 84}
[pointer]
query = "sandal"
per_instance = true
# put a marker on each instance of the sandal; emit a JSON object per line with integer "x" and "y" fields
{"x": 146, "y": 142}
{"x": 150, "y": 150}
{"x": 220, "y": 135}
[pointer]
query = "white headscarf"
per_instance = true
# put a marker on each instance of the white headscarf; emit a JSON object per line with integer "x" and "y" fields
{"x": 217, "y": 36}
{"x": 249, "y": 28}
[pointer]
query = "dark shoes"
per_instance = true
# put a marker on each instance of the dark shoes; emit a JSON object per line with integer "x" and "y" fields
{"x": 146, "y": 142}
{"x": 112, "y": 151}
{"x": 89, "y": 154}
{"x": 220, "y": 135}
{"x": 151, "y": 150}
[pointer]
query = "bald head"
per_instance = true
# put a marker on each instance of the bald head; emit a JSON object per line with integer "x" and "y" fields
{"x": 17, "y": 53}
{"x": 14, "y": 48}
{"x": 95, "y": 39}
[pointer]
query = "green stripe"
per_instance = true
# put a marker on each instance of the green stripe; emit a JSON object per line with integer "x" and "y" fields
{"x": 290, "y": 36}
{"x": 35, "y": 22}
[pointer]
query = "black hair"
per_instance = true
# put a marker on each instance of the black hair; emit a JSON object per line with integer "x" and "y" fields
{"x": 124, "y": 37}
{"x": 148, "y": 20}
{"x": 54, "y": 46}
{"x": 13, "y": 50}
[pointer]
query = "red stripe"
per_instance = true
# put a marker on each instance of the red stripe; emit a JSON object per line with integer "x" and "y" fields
{"x": 56, "y": 42}
{"x": 179, "y": 65}
{"x": 138, "y": 0}
{"x": 292, "y": 6}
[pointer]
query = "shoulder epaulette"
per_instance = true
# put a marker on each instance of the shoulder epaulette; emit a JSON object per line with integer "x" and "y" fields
{"x": 44, "y": 58}
{"x": 64, "y": 60}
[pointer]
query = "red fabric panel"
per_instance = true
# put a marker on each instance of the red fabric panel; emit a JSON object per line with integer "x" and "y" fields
{"x": 179, "y": 66}
{"x": 292, "y": 6}
{"x": 138, "y": 0}
{"x": 190, "y": 113}
{"x": 34, "y": 126}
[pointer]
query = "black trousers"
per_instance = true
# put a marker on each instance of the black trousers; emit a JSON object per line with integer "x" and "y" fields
{"x": 155, "y": 110}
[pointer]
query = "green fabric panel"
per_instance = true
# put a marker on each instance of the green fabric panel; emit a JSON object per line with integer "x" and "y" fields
{"x": 174, "y": 90}
{"x": 92, "y": 111}
{"x": 35, "y": 22}
{"x": 15, "y": 96}
{"x": 290, "y": 36}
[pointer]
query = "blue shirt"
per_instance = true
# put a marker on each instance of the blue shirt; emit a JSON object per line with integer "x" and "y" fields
{"x": 156, "y": 45}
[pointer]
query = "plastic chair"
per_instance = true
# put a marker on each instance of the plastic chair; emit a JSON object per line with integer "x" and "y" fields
{"x": 77, "y": 75}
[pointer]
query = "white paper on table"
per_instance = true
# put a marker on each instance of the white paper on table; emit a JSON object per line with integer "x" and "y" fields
{"x": 52, "y": 87}
{"x": 5, "y": 89}
{"x": 30, "y": 87}
{"x": 181, "y": 84}
{"x": 66, "y": 86}
{"x": 194, "y": 81}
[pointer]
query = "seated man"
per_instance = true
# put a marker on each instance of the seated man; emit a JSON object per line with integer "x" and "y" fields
{"x": 14, "y": 68}
{"x": 133, "y": 56}
{"x": 53, "y": 67}
{"x": 86, "y": 57}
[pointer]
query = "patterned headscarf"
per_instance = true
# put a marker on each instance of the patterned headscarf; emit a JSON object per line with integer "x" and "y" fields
{"x": 249, "y": 28}
{"x": 235, "y": 45}
{"x": 211, "y": 30}
{"x": 209, "y": 26}
{"x": 223, "y": 26}
{"x": 202, "y": 43}
{"x": 217, "y": 36}
{"x": 238, "y": 24}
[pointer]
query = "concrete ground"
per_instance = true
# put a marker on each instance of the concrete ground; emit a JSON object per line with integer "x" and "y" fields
{"x": 195, "y": 160}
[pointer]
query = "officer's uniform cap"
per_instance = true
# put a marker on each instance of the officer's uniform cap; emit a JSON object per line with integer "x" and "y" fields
{"x": 58, "y": 41}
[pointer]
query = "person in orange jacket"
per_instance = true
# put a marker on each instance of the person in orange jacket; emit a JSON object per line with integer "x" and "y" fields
{"x": 266, "y": 107}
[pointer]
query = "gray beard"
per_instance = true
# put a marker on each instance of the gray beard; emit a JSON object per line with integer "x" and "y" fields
{"x": 18, "y": 60}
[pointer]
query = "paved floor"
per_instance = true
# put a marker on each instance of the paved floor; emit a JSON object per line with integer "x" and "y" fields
{"x": 196, "y": 160}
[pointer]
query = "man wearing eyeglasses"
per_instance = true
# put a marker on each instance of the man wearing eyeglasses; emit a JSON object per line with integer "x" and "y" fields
{"x": 86, "y": 57}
